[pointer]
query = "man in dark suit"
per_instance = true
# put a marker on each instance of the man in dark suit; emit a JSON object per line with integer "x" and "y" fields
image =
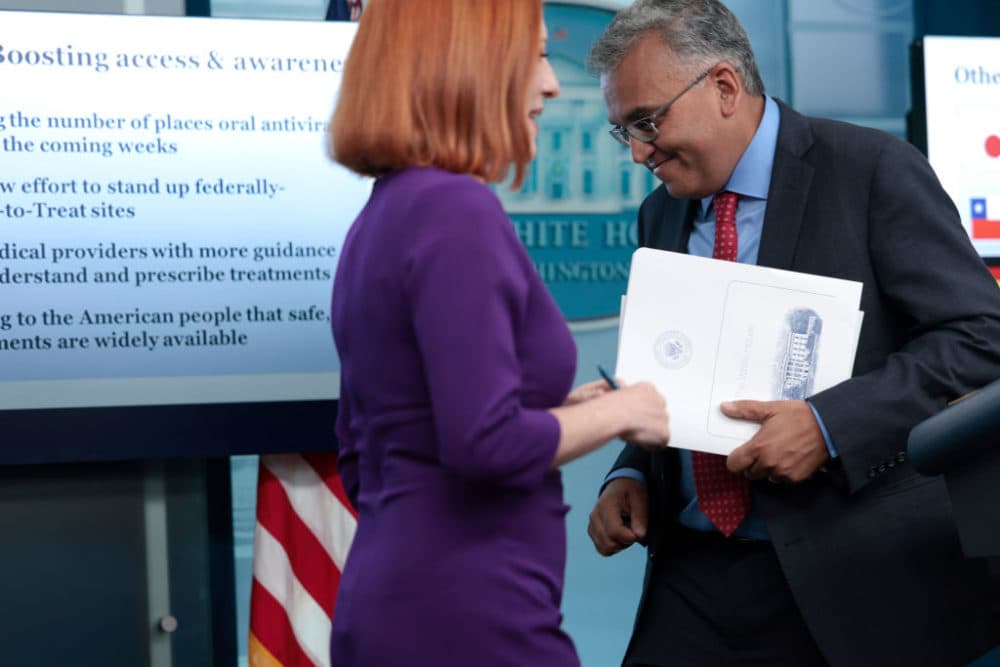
{"x": 834, "y": 550}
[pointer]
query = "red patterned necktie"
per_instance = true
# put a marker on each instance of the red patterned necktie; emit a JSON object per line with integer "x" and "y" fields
{"x": 723, "y": 497}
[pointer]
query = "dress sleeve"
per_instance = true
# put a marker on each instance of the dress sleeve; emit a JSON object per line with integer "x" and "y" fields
{"x": 468, "y": 287}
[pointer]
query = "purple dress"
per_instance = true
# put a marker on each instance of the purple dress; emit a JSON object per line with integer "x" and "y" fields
{"x": 451, "y": 351}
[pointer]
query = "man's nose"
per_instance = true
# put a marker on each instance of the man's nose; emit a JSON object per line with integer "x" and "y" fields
{"x": 640, "y": 150}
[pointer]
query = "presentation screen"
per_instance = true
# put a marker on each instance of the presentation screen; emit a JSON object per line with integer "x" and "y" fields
{"x": 961, "y": 98}
{"x": 170, "y": 219}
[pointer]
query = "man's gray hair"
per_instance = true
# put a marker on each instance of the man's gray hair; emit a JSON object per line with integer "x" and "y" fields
{"x": 699, "y": 32}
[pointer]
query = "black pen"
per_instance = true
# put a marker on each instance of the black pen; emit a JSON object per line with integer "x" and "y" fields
{"x": 607, "y": 378}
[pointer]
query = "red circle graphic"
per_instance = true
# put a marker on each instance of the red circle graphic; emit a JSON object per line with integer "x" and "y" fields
{"x": 993, "y": 145}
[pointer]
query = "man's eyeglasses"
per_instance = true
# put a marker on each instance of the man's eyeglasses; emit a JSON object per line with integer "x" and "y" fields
{"x": 645, "y": 129}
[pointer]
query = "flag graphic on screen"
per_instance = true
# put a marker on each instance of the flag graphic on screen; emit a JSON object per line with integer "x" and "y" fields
{"x": 992, "y": 146}
{"x": 305, "y": 525}
{"x": 344, "y": 10}
{"x": 984, "y": 226}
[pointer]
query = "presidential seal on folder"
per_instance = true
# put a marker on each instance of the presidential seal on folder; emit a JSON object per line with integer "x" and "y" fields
{"x": 706, "y": 331}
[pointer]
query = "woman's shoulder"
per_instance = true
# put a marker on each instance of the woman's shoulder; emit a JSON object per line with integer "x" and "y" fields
{"x": 434, "y": 187}
{"x": 429, "y": 203}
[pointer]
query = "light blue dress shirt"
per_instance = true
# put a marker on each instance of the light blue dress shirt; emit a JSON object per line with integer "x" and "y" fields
{"x": 750, "y": 179}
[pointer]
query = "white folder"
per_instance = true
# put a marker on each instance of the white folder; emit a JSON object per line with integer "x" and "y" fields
{"x": 704, "y": 331}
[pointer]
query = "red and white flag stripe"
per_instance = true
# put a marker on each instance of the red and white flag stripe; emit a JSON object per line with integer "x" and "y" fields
{"x": 305, "y": 526}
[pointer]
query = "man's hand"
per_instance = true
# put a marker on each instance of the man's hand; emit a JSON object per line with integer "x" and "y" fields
{"x": 619, "y": 517}
{"x": 789, "y": 446}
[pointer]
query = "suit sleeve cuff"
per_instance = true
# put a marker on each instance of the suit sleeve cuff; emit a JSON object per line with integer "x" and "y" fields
{"x": 822, "y": 427}
{"x": 631, "y": 473}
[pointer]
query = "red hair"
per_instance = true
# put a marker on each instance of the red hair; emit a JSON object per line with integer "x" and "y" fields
{"x": 440, "y": 83}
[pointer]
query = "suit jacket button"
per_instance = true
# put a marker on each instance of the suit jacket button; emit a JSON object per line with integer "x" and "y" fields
{"x": 872, "y": 472}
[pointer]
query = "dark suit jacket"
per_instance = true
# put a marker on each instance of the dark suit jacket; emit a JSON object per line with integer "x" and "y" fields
{"x": 868, "y": 547}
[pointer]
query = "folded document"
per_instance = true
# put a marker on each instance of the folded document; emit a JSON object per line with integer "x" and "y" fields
{"x": 706, "y": 331}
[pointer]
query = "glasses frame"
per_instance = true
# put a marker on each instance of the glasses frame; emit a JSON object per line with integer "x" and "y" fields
{"x": 645, "y": 128}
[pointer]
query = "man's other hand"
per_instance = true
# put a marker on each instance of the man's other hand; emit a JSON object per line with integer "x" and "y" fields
{"x": 618, "y": 520}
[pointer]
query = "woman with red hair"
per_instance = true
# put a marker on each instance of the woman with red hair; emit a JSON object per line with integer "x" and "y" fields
{"x": 456, "y": 365}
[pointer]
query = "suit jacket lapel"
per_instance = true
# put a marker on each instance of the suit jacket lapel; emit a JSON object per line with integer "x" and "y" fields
{"x": 665, "y": 222}
{"x": 679, "y": 235}
{"x": 791, "y": 179}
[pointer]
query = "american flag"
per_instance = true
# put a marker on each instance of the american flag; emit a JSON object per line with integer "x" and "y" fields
{"x": 305, "y": 525}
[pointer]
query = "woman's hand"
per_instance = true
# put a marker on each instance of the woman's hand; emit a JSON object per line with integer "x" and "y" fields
{"x": 646, "y": 413}
{"x": 587, "y": 391}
